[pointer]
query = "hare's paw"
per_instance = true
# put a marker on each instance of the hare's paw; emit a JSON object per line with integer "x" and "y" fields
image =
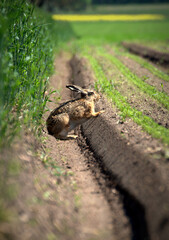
{"x": 102, "y": 111}
{"x": 68, "y": 137}
{"x": 72, "y": 136}
{"x": 98, "y": 113}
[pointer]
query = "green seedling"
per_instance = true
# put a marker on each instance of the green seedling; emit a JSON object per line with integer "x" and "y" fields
{"x": 157, "y": 72}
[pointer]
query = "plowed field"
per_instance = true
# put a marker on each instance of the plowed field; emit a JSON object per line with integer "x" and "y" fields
{"x": 112, "y": 182}
{"x": 126, "y": 148}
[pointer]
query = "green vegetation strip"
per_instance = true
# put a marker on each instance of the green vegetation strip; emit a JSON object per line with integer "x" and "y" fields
{"x": 161, "y": 97}
{"x": 28, "y": 40}
{"x": 147, "y": 123}
{"x": 145, "y": 64}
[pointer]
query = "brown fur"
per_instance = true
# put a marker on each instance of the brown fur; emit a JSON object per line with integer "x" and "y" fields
{"x": 72, "y": 113}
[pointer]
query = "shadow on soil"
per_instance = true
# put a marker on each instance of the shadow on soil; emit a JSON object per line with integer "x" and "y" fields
{"x": 134, "y": 211}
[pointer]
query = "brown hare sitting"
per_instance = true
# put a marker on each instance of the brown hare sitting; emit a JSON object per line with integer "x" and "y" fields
{"x": 72, "y": 113}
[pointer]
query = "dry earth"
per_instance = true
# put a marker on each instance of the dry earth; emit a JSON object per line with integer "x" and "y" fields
{"x": 149, "y": 53}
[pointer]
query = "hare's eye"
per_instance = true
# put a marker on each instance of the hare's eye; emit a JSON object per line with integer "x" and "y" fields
{"x": 90, "y": 93}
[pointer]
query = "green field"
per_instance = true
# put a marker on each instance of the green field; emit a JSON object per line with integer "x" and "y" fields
{"x": 154, "y": 31}
{"x": 123, "y": 31}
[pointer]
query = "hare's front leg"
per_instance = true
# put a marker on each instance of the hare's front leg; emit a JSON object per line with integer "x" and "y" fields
{"x": 95, "y": 114}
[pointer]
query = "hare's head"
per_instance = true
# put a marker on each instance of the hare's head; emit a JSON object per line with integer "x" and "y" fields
{"x": 85, "y": 93}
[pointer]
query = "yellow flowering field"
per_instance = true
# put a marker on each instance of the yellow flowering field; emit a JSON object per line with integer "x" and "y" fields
{"x": 109, "y": 17}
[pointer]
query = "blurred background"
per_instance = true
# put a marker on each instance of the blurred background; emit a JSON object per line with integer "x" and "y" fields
{"x": 79, "y": 5}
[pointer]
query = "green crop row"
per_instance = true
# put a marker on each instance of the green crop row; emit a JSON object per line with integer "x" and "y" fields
{"x": 147, "y": 123}
{"x": 27, "y": 42}
{"x": 161, "y": 97}
{"x": 145, "y": 64}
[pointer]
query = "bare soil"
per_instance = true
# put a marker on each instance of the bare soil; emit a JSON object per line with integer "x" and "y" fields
{"x": 97, "y": 217}
{"x": 149, "y": 53}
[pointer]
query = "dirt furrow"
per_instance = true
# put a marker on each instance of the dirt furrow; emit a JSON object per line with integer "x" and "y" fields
{"x": 149, "y": 53}
{"x": 99, "y": 206}
{"x": 92, "y": 216}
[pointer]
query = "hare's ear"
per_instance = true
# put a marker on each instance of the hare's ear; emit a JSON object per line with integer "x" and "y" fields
{"x": 76, "y": 89}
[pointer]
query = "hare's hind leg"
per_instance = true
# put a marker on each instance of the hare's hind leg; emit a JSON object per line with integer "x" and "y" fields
{"x": 64, "y": 134}
{"x": 61, "y": 127}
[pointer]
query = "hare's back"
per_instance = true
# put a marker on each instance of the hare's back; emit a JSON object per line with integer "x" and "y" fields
{"x": 73, "y": 108}
{"x": 65, "y": 107}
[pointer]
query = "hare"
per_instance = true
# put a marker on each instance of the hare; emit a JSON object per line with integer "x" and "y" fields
{"x": 72, "y": 113}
